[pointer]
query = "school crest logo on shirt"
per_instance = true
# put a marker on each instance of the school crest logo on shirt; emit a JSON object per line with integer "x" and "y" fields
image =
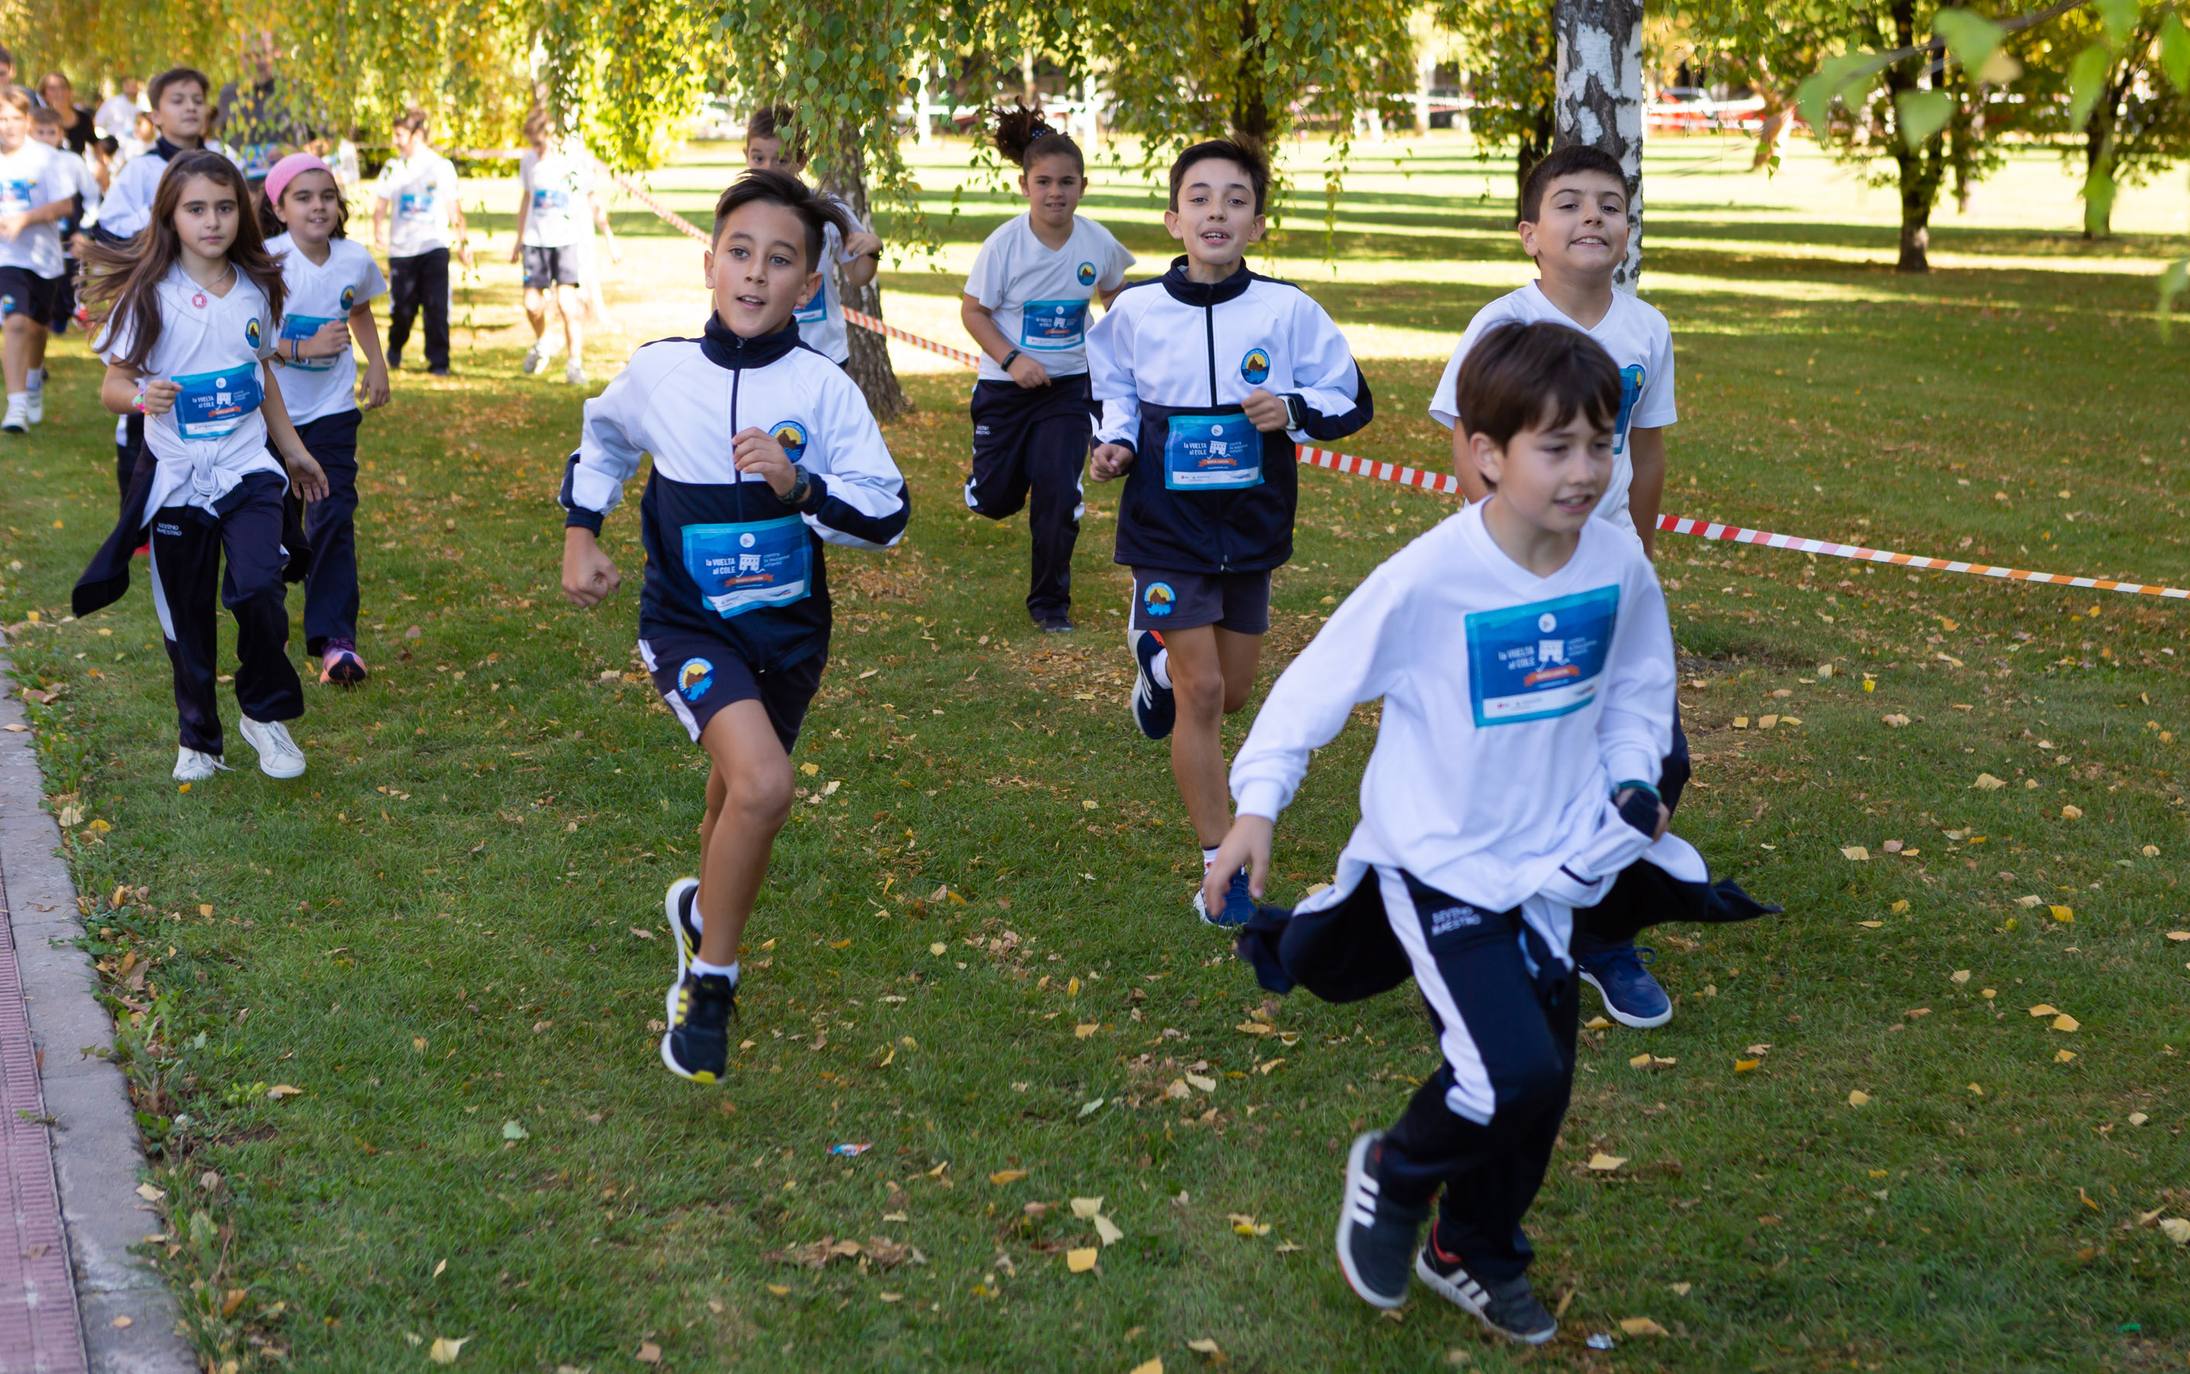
{"x": 252, "y": 333}
{"x": 792, "y": 435}
{"x": 7, "y": 306}
{"x": 1159, "y": 600}
{"x": 349, "y": 298}
{"x": 1255, "y": 367}
{"x": 694, "y": 678}
{"x": 1086, "y": 274}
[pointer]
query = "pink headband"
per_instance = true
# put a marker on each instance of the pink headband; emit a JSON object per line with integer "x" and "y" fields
{"x": 289, "y": 169}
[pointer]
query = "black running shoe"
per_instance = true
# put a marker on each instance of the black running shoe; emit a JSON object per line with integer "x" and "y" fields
{"x": 1155, "y": 709}
{"x": 697, "y": 1043}
{"x": 1376, "y": 1236}
{"x": 1508, "y": 1307}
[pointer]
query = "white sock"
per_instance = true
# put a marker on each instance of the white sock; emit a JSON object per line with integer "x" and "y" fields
{"x": 37, "y": 379}
{"x": 18, "y": 398}
{"x": 1208, "y": 856}
{"x": 729, "y": 970}
{"x": 1159, "y": 668}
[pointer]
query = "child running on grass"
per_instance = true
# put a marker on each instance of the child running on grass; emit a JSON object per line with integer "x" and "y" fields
{"x": 554, "y": 200}
{"x": 1522, "y": 655}
{"x": 1208, "y": 377}
{"x": 1573, "y": 222}
{"x": 1026, "y": 306}
{"x": 763, "y": 451}
{"x": 774, "y": 143}
{"x": 330, "y": 282}
{"x": 35, "y": 195}
{"x": 189, "y": 340}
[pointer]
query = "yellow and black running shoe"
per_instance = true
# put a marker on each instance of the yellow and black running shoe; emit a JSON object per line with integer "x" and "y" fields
{"x": 697, "y": 1043}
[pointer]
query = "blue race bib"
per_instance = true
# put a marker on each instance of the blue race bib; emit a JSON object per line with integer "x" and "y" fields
{"x": 414, "y": 203}
{"x": 750, "y": 565}
{"x": 212, "y": 404}
{"x": 304, "y": 327}
{"x": 15, "y": 197}
{"x": 815, "y": 310}
{"x": 1053, "y": 324}
{"x": 1212, "y": 453}
{"x": 550, "y": 198}
{"x": 1540, "y": 660}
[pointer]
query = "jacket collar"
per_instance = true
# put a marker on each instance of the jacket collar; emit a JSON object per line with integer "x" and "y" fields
{"x": 1200, "y": 294}
{"x": 168, "y": 152}
{"x": 727, "y": 349}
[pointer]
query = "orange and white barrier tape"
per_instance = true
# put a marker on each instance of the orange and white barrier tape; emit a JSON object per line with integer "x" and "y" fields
{"x": 1445, "y": 484}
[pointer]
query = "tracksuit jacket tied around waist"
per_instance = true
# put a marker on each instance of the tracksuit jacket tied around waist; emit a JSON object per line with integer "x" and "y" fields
{"x": 683, "y": 400}
{"x": 1170, "y": 361}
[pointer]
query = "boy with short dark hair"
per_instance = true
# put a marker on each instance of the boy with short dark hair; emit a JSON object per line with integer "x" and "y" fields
{"x": 1209, "y": 375}
{"x": 1521, "y": 652}
{"x": 179, "y": 114}
{"x": 734, "y": 620}
{"x": 1574, "y": 222}
{"x": 774, "y": 142}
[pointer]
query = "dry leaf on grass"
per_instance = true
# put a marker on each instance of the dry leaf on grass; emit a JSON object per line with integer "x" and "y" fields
{"x": 1604, "y": 1163}
{"x": 1641, "y": 1326}
{"x": 444, "y": 1350}
{"x": 1080, "y": 1261}
{"x": 1859, "y": 1098}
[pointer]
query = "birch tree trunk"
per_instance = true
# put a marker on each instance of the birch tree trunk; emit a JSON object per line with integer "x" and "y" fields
{"x": 869, "y": 364}
{"x": 1600, "y": 98}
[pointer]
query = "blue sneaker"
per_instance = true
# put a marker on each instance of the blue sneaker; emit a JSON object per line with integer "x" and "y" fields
{"x": 1155, "y": 710}
{"x": 1631, "y": 996}
{"x": 1239, "y": 904}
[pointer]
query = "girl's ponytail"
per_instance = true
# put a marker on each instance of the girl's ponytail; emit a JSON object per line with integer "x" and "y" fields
{"x": 1022, "y": 133}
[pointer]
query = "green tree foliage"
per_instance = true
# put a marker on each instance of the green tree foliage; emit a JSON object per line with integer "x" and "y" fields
{"x": 1510, "y": 51}
{"x": 2139, "y": 105}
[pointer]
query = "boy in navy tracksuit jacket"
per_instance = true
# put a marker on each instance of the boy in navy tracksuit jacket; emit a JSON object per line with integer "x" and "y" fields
{"x": 763, "y": 450}
{"x": 1208, "y": 376}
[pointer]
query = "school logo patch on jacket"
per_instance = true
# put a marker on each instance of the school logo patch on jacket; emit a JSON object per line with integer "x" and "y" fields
{"x": 252, "y": 333}
{"x": 1255, "y": 367}
{"x": 792, "y": 435}
{"x": 1086, "y": 274}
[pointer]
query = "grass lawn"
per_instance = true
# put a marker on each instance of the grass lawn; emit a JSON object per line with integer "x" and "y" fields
{"x": 974, "y": 952}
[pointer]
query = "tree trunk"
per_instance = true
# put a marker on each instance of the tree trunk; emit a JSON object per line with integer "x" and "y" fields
{"x": 1916, "y": 200}
{"x": 1251, "y": 103}
{"x": 1916, "y": 170}
{"x": 869, "y": 364}
{"x": 1600, "y": 98}
{"x": 2098, "y": 190}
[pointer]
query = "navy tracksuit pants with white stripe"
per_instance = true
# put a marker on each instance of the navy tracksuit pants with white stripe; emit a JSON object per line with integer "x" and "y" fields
{"x": 1482, "y": 1128}
{"x": 1034, "y": 441}
{"x": 330, "y": 532}
{"x": 187, "y": 548}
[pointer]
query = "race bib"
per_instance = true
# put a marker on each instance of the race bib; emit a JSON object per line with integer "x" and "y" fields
{"x": 1540, "y": 660}
{"x": 300, "y": 327}
{"x": 212, "y": 404}
{"x": 15, "y": 197}
{"x": 1211, "y": 453}
{"x": 750, "y": 565}
{"x": 815, "y": 310}
{"x": 550, "y": 198}
{"x": 1053, "y": 324}
{"x": 412, "y": 204}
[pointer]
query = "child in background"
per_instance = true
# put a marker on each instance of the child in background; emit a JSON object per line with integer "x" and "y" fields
{"x": 35, "y": 195}
{"x": 773, "y": 142}
{"x": 1209, "y": 375}
{"x": 418, "y": 190}
{"x": 734, "y": 620}
{"x": 79, "y": 171}
{"x": 1521, "y": 652}
{"x": 330, "y": 282}
{"x": 554, "y": 195}
{"x": 1573, "y": 222}
{"x": 190, "y": 333}
{"x": 1026, "y": 305}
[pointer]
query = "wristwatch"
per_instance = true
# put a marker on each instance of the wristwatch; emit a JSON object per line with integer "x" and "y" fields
{"x": 1006, "y": 363}
{"x": 797, "y": 495}
{"x": 1292, "y": 410}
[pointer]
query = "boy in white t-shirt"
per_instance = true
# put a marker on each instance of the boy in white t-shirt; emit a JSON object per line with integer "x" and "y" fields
{"x": 554, "y": 200}
{"x": 1574, "y": 223}
{"x": 773, "y": 143}
{"x": 34, "y": 197}
{"x": 417, "y": 190}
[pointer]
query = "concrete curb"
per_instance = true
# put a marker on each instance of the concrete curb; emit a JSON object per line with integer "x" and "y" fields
{"x": 97, "y": 1157}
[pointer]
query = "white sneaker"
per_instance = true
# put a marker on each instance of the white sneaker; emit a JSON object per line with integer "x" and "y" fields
{"x": 18, "y": 417}
{"x": 195, "y": 765}
{"x": 574, "y": 373}
{"x": 36, "y": 408}
{"x": 279, "y": 756}
{"x": 535, "y": 359}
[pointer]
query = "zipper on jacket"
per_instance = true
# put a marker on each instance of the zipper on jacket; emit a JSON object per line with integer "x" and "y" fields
{"x": 1209, "y": 320}
{"x": 737, "y": 479}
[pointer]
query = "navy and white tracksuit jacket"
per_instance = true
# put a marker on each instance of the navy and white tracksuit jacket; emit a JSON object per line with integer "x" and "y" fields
{"x": 1171, "y": 361}
{"x": 725, "y": 557}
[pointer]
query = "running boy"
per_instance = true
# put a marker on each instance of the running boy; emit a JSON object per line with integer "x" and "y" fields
{"x": 734, "y": 620}
{"x": 329, "y": 282}
{"x": 80, "y": 180}
{"x": 35, "y": 195}
{"x": 418, "y": 188}
{"x": 1208, "y": 376}
{"x": 1026, "y": 306}
{"x": 178, "y": 113}
{"x": 1526, "y": 668}
{"x": 773, "y": 143}
{"x": 1573, "y": 222}
{"x": 554, "y": 197}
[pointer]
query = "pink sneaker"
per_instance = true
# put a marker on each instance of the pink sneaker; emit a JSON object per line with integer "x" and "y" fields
{"x": 339, "y": 663}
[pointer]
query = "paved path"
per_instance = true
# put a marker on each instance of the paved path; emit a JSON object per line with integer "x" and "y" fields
{"x": 72, "y": 1296}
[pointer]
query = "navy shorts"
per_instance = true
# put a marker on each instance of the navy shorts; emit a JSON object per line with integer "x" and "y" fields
{"x": 545, "y": 267}
{"x": 1167, "y": 600}
{"x": 698, "y": 675}
{"x": 24, "y": 292}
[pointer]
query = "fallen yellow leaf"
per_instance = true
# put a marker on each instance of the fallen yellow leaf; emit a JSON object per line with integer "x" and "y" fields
{"x": 1085, "y": 1207}
{"x": 282, "y": 1090}
{"x": 1004, "y": 1176}
{"x": 1745, "y": 1065}
{"x": 1085, "y": 1029}
{"x": 1147, "y": 1367}
{"x": 1107, "y": 1230}
{"x": 2065, "y": 1022}
{"x": 2063, "y": 1056}
{"x": 1641, "y": 1326}
{"x": 1599, "y": 1023}
{"x": 1080, "y": 1261}
{"x": 1988, "y": 783}
{"x": 2176, "y": 1229}
{"x": 1855, "y": 852}
{"x": 1604, "y": 1163}
{"x": 1859, "y": 1098}
{"x": 2072, "y": 813}
{"x": 444, "y": 1350}
{"x": 2063, "y": 914}
{"x": 2045, "y": 1009}
{"x": 1958, "y": 977}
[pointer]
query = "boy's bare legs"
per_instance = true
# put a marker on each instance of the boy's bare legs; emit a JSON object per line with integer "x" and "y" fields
{"x": 15, "y": 351}
{"x": 1212, "y": 673}
{"x": 570, "y": 303}
{"x": 536, "y": 314}
{"x": 750, "y": 789}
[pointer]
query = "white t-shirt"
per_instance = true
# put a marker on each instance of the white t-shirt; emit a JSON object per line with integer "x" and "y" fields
{"x": 1640, "y": 342}
{"x": 117, "y": 117}
{"x": 317, "y": 293}
{"x": 555, "y": 187}
{"x": 32, "y": 177}
{"x": 821, "y": 320}
{"x": 1039, "y": 296}
{"x": 419, "y": 190}
{"x": 127, "y": 208}
{"x": 212, "y": 347}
